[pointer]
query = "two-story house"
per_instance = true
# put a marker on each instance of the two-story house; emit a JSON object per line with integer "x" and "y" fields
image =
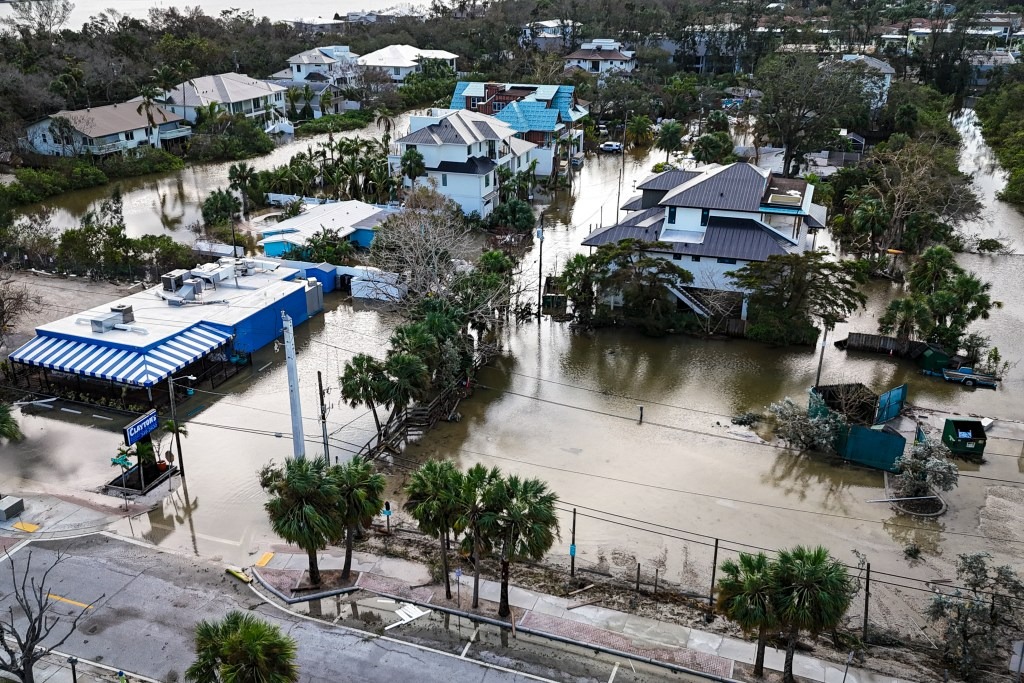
{"x": 232, "y": 93}
{"x": 334, "y": 64}
{"x": 601, "y": 57}
{"x": 398, "y": 61}
{"x": 462, "y": 151}
{"x": 550, "y": 35}
{"x": 878, "y": 77}
{"x": 546, "y": 115}
{"x": 113, "y": 129}
{"x": 715, "y": 219}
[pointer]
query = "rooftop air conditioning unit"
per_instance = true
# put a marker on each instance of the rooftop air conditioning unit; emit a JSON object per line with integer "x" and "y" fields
{"x": 126, "y": 312}
{"x": 173, "y": 280}
{"x": 105, "y": 322}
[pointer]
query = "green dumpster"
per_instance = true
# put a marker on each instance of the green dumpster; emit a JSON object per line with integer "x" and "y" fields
{"x": 964, "y": 437}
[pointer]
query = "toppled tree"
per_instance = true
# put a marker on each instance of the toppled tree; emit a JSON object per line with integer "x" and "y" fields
{"x": 817, "y": 431}
{"x": 16, "y": 302}
{"x": 32, "y": 620}
{"x": 977, "y": 617}
{"x": 925, "y": 469}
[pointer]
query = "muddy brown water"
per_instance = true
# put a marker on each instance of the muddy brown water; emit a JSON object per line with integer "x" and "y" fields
{"x": 563, "y": 406}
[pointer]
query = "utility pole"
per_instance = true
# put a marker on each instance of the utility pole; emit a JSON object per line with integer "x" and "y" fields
{"x": 298, "y": 437}
{"x": 540, "y": 267}
{"x": 323, "y": 414}
{"x": 177, "y": 427}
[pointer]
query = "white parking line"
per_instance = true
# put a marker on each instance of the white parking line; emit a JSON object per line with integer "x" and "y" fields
{"x": 471, "y": 639}
{"x": 615, "y": 670}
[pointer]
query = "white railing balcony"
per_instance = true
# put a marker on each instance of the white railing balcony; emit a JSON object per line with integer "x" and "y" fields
{"x": 175, "y": 133}
{"x": 108, "y": 148}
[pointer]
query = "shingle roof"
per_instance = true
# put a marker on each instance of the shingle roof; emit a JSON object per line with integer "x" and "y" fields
{"x": 599, "y": 55}
{"x": 666, "y": 180}
{"x": 97, "y": 122}
{"x": 222, "y": 89}
{"x": 736, "y": 187}
{"x": 472, "y": 166}
{"x": 738, "y": 238}
{"x": 402, "y": 56}
{"x": 460, "y": 127}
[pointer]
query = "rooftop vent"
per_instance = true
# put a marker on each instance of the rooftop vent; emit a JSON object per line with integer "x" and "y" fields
{"x": 785, "y": 200}
{"x": 125, "y": 311}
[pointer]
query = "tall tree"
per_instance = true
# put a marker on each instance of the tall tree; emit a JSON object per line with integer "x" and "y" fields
{"x": 431, "y": 498}
{"x": 670, "y": 138}
{"x": 471, "y": 507}
{"x": 639, "y": 131}
{"x": 412, "y": 165}
{"x": 907, "y": 319}
{"x": 362, "y": 384}
{"x": 16, "y": 301}
{"x": 746, "y": 595}
{"x": 9, "y": 428}
{"x": 803, "y": 103}
{"x": 814, "y": 592}
{"x": 303, "y": 507}
{"x": 520, "y": 523}
{"x": 359, "y": 499}
{"x": 408, "y": 381}
{"x": 241, "y": 176}
{"x": 240, "y": 648}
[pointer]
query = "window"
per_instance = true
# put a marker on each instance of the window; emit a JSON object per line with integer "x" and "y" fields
{"x": 469, "y": 150}
{"x": 728, "y": 261}
{"x": 298, "y": 68}
{"x": 695, "y": 258}
{"x": 497, "y": 106}
{"x": 277, "y": 97}
{"x": 129, "y": 135}
{"x": 444, "y": 180}
{"x": 408, "y": 147}
{"x": 487, "y": 180}
{"x": 44, "y": 137}
{"x": 677, "y": 257}
{"x": 395, "y": 71}
{"x": 705, "y": 215}
{"x": 671, "y": 214}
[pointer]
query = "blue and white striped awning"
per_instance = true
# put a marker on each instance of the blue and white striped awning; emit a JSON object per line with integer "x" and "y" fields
{"x": 142, "y": 369}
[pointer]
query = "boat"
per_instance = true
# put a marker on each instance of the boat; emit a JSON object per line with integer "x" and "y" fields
{"x": 611, "y": 146}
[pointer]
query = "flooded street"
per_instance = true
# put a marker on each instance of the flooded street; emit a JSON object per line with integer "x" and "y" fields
{"x": 564, "y": 406}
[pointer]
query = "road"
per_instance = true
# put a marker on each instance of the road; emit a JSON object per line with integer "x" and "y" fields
{"x": 145, "y": 604}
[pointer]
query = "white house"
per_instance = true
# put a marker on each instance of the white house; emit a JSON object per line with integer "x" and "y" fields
{"x": 550, "y": 34}
{"x": 352, "y": 220}
{"x": 234, "y": 93}
{"x": 462, "y": 151}
{"x": 334, "y": 64}
{"x": 398, "y": 61}
{"x": 880, "y": 74}
{"x": 601, "y": 57}
{"x": 715, "y": 219}
{"x": 115, "y": 128}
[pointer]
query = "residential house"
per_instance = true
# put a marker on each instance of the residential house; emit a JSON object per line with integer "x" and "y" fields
{"x": 551, "y": 35}
{"x": 398, "y": 61}
{"x": 233, "y": 93}
{"x": 545, "y": 115}
{"x": 334, "y": 64}
{"x": 462, "y": 151}
{"x": 879, "y": 79}
{"x": 601, "y": 57}
{"x": 987, "y": 63}
{"x": 318, "y": 25}
{"x": 338, "y": 103}
{"x": 115, "y": 128}
{"x": 353, "y": 220}
{"x": 715, "y": 219}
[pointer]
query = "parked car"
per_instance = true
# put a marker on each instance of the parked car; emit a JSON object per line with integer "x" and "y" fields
{"x": 611, "y": 146}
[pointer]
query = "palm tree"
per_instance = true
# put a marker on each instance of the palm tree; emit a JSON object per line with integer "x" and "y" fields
{"x": 813, "y": 594}
{"x": 362, "y": 384}
{"x": 936, "y": 266}
{"x": 520, "y": 521}
{"x": 670, "y": 138}
{"x": 242, "y": 649}
{"x": 304, "y": 508}
{"x": 307, "y": 101}
{"x": 717, "y": 121}
{"x": 906, "y": 318}
{"x": 149, "y": 94}
{"x": 166, "y": 77}
{"x": 291, "y": 96}
{"x": 972, "y": 296}
{"x": 471, "y": 507}
{"x": 431, "y": 497}
{"x": 8, "y": 425}
{"x": 415, "y": 340}
{"x": 746, "y": 595}
{"x": 639, "y": 131}
{"x": 871, "y": 218}
{"x": 326, "y": 100}
{"x": 711, "y": 148}
{"x": 241, "y": 176}
{"x": 384, "y": 121}
{"x": 412, "y": 165}
{"x": 359, "y": 499}
{"x": 408, "y": 381}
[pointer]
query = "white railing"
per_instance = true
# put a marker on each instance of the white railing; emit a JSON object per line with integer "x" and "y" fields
{"x": 175, "y": 133}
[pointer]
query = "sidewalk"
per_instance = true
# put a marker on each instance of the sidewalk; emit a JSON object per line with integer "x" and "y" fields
{"x": 55, "y": 668}
{"x": 663, "y": 641}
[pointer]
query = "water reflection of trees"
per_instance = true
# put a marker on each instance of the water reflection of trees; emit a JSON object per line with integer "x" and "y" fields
{"x": 797, "y": 474}
{"x": 906, "y": 531}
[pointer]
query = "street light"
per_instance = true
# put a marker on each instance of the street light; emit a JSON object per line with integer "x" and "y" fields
{"x": 73, "y": 661}
{"x": 174, "y": 419}
{"x": 540, "y": 266}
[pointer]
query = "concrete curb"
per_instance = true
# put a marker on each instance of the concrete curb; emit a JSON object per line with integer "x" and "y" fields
{"x": 306, "y": 598}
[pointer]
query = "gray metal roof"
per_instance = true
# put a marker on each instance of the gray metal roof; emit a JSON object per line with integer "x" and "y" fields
{"x": 742, "y": 239}
{"x": 736, "y": 187}
{"x": 461, "y": 127}
{"x": 666, "y": 180}
{"x": 634, "y": 203}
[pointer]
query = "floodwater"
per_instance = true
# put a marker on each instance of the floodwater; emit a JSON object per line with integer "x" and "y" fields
{"x": 564, "y": 407}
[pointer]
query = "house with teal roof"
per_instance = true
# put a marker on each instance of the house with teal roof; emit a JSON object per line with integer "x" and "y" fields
{"x": 547, "y": 115}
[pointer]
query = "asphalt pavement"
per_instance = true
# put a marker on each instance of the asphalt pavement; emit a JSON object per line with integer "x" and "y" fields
{"x": 142, "y": 605}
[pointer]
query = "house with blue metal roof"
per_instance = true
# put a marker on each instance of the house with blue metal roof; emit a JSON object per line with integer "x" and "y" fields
{"x": 547, "y": 115}
{"x": 204, "y": 322}
{"x": 715, "y": 219}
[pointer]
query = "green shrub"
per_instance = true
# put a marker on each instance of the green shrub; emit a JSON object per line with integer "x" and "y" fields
{"x": 242, "y": 139}
{"x": 336, "y": 123}
{"x": 146, "y": 160}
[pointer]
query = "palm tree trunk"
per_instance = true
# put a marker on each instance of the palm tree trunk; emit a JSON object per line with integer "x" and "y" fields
{"x": 476, "y": 569}
{"x": 787, "y": 674}
{"x": 762, "y": 638}
{"x": 314, "y": 567}
{"x": 503, "y": 608}
{"x": 349, "y": 537}
{"x": 444, "y": 565}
